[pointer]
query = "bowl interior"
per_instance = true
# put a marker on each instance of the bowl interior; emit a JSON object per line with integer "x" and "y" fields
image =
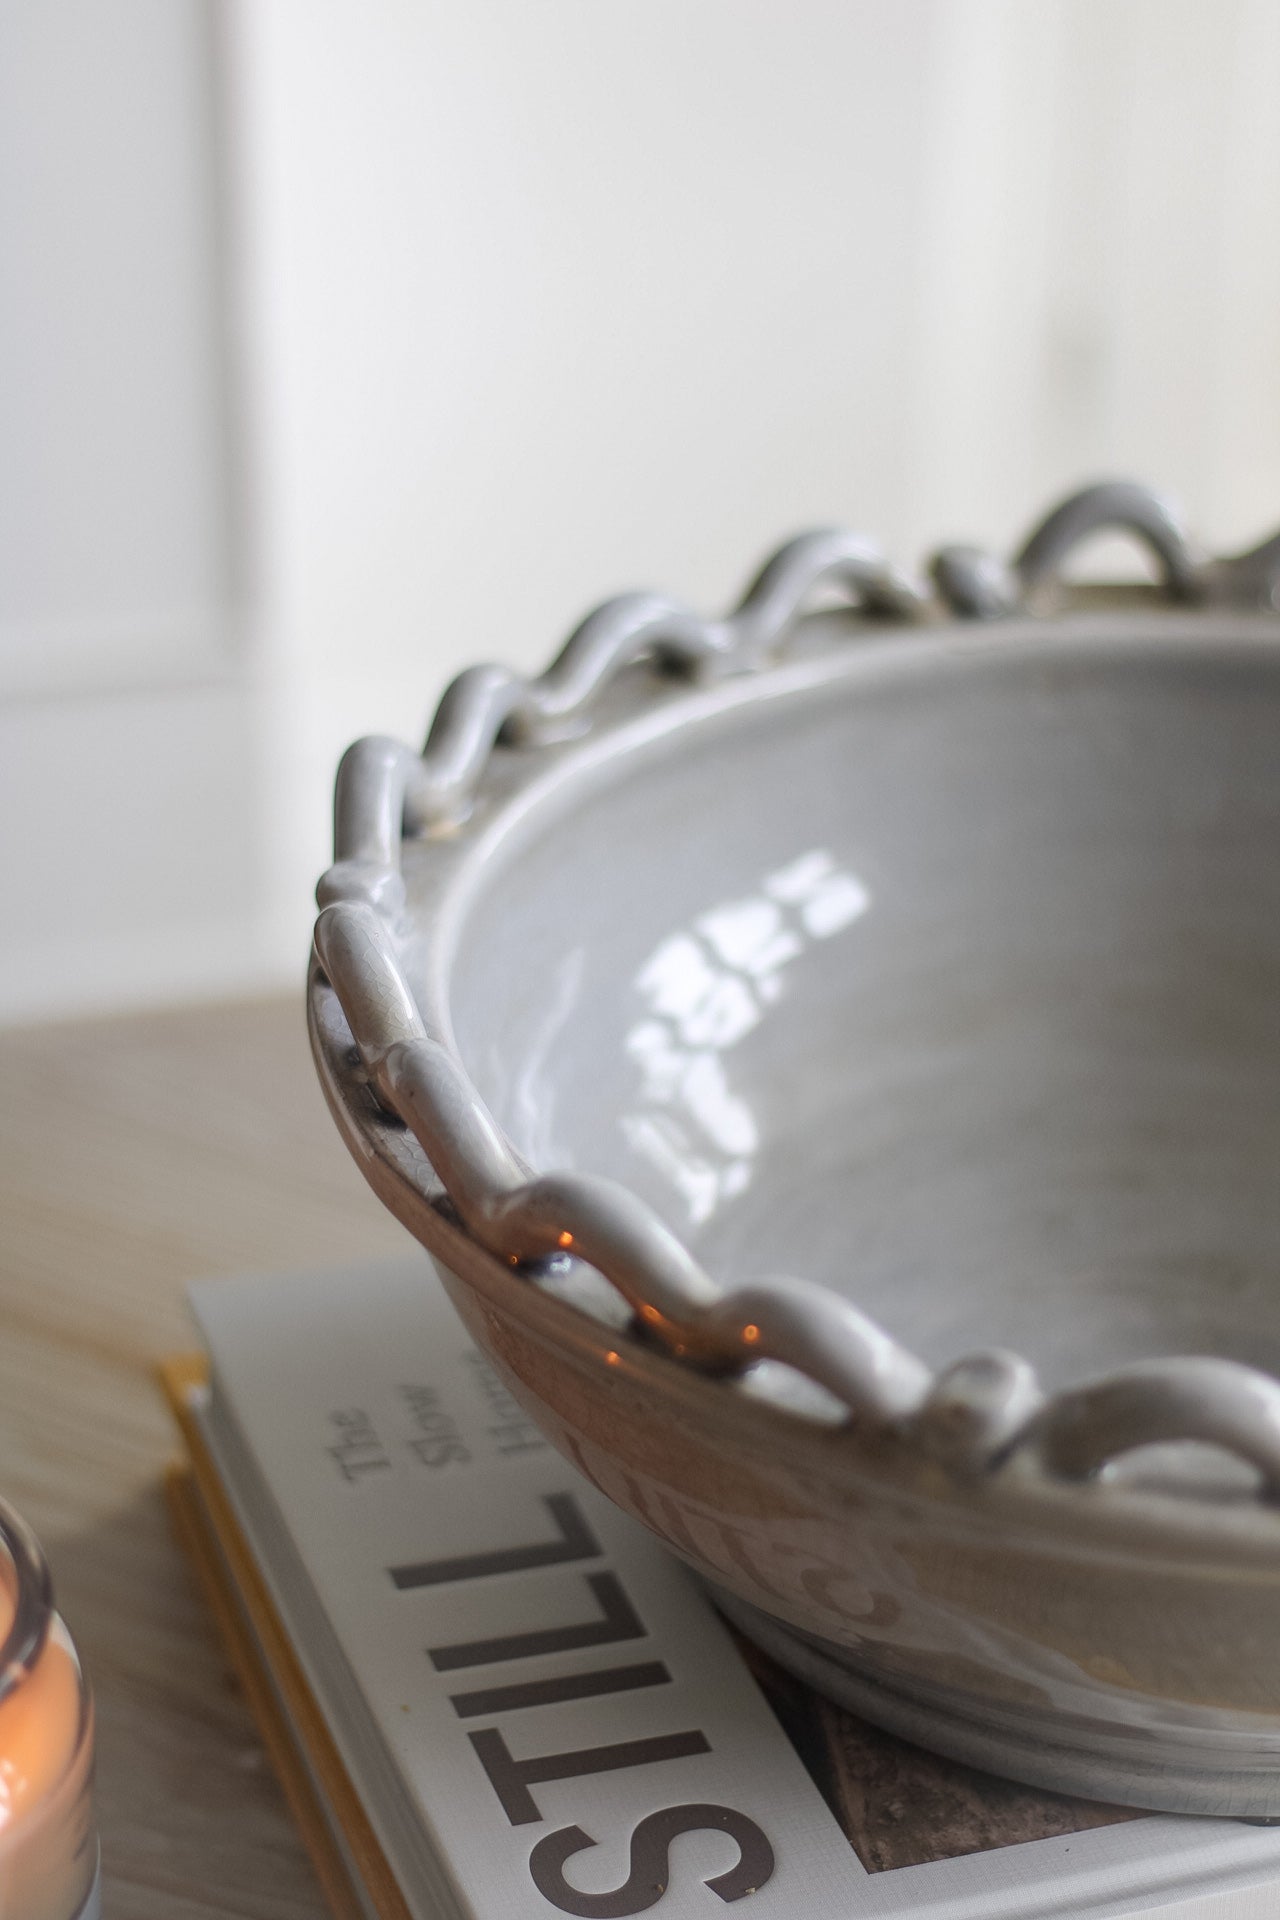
{"x": 953, "y": 984}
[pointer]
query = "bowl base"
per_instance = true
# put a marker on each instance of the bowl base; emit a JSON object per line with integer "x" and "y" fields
{"x": 1160, "y": 1771}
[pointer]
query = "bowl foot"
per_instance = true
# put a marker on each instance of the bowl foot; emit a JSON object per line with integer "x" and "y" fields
{"x": 1161, "y": 1770}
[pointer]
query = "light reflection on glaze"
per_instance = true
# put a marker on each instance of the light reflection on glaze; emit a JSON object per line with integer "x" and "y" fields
{"x": 704, "y": 990}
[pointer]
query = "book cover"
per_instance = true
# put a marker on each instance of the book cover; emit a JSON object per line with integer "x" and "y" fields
{"x": 538, "y": 1710}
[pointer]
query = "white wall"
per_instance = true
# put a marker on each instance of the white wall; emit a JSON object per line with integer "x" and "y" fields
{"x": 128, "y": 768}
{"x": 473, "y": 313}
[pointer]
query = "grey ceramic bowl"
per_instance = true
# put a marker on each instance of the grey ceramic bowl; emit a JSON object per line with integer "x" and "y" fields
{"x": 792, "y": 1020}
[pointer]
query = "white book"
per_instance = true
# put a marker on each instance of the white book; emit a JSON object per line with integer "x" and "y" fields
{"x": 538, "y": 1707}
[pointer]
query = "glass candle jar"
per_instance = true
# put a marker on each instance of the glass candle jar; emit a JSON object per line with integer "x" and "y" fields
{"x": 48, "y": 1847}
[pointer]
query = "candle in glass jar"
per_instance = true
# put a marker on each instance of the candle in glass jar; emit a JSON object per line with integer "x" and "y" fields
{"x": 48, "y": 1849}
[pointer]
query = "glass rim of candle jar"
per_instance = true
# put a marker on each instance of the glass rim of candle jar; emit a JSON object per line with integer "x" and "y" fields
{"x": 33, "y": 1615}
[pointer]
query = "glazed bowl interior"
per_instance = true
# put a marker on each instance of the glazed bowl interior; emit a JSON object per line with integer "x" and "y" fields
{"x": 953, "y": 983}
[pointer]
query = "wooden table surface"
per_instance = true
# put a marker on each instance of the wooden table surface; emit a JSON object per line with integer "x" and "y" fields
{"x": 137, "y": 1155}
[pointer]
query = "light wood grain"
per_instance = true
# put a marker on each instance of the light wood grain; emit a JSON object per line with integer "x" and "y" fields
{"x": 136, "y": 1156}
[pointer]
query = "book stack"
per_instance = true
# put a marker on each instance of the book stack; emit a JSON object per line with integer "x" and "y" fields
{"x": 489, "y": 1693}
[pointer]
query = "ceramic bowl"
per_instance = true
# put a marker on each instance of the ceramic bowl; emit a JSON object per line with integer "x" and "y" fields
{"x": 833, "y": 1058}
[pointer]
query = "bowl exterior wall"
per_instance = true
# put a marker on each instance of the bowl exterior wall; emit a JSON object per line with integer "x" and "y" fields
{"x": 1092, "y": 1673}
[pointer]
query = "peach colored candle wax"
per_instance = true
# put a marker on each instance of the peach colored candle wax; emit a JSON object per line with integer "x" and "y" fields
{"x": 48, "y": 1850}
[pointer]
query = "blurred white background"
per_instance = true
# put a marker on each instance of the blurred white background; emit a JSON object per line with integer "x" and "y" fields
{"x": 345, "y": 344}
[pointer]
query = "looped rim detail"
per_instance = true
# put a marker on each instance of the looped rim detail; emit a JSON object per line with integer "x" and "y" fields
{"x": 972, "y": 1417}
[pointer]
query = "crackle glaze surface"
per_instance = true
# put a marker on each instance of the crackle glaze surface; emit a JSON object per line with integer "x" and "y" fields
{"x": 957, "y": 991}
